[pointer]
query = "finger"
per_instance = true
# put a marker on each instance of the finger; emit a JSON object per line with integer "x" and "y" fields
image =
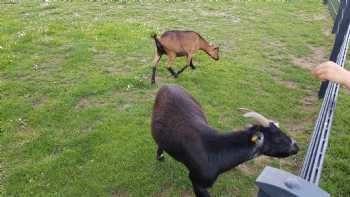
{"x": 329, "y": 63}
{"x": 320, "y": 67}
{"x": 320, "y": 71}
{"x": 323, "y": 77}
{"x": 316, "y": 70}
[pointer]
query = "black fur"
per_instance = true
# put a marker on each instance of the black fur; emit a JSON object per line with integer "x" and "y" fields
{"x": 160, "y": 49}
{"x": 172, "y": 72}
{"x": 154, "y": 69}
{"x": 181, "y": 129}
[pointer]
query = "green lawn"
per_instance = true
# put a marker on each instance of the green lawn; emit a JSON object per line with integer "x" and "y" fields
{"x": 76, "y": 99}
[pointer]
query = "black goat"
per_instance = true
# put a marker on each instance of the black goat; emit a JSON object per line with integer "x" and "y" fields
{"x": 180, "y": 128}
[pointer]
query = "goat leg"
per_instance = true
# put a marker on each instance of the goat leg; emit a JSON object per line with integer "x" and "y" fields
{"x": 171, "y": 57}
{"x": 154, "y": 69}
{"x": 192, "y": 66}
{"x": 198, "y": 190}
{"x": 160, "y": 155}
{"x": 180, "y": 71}
{"x": 173, "y": 73}
{"x": 188, "y": 63}
{"x": 153, "y": 80}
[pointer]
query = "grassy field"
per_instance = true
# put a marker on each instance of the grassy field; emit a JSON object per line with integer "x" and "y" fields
{"x": 75, "y": 93}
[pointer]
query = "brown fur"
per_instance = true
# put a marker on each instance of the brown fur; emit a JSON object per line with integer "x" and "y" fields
{"x": 181, "y": 43}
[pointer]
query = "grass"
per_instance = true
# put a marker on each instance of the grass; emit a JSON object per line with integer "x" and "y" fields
{"x": 75, "y": 93}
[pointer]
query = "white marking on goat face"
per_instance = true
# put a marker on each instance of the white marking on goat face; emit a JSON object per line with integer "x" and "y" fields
{"x": 277, "y": 124}
{"x": 259, "y": 143}
{"x": 260, "y": 140}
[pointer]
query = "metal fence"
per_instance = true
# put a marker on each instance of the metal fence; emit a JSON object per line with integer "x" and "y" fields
{"x": 274, "y": 182}
{"x": 333, "y": 6}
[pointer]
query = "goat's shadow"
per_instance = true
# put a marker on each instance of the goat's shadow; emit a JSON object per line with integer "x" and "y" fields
{"x": 173, "y": 173}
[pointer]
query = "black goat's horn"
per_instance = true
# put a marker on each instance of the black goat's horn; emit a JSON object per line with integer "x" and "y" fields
{"x": 260, "y": 119}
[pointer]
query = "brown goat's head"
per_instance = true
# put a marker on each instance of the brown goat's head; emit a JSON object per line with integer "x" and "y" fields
{"x": 213, "y": 52}
{"x": 270, "y": 139}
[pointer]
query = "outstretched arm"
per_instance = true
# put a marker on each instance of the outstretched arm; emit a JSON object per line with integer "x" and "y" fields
{"x": 333, "y": 72}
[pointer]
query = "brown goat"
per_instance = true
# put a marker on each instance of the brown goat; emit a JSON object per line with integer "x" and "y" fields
{"x": 180, "y": 43}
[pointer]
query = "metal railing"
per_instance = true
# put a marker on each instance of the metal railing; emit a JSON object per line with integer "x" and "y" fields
{"x": 275, "y": 182}
{"x": 313, "y": 162}
{"x": 333, "y": 6}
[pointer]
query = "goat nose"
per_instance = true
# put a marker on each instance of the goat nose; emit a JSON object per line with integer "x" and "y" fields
{"x": 294, "y": 148}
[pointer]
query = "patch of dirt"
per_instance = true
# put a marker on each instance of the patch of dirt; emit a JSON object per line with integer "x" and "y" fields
{"x": 317, "y": 56}
{"x": 112, "y": 70}
{"x": 165, "y": 192}
{"x": 277, "y": 45}
{"x": 164, "y": 78}
{"x": 309, "y": 101}
{"x": 254, "y": 167}
{"x": 292, "y": 161}
{"x": 40, "y": 102}
{"x": 247, "y": 170}
{"x": 346, "y": 91}
{"x": 122, "y": 100}
{"x": 276, "y": 73}
{"x": 298, "y": 127}
{"x": 186, "y": 193}
{"x": 207, "y": 13}
{"x": 2, "y": 176}
{"x": 119, "y": 193}
{"x": 235, "y": 191}
{"x": 138, "y": 58}
{"x": 222, "y": 119}
{"x": 308, "y": 104}
{"x": 86, "y": 103}
{"x": 168, "y": 189}
{"x": 262, "y": 160}
{"x": 319, "y": 17}
{"x": 326, "y": 31}
{"x": 287, "y": 83}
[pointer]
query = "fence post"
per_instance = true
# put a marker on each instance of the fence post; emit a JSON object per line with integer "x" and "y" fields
{"x": 339, "y": 28}
{"x": 274, "y": 182}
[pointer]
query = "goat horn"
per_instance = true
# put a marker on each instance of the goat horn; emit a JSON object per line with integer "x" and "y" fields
{"x": 259, "y": 118}
{"x": 244, "y": 110}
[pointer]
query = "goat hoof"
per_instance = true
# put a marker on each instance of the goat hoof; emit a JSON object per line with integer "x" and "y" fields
{"x": 160, "y": 157}
{"x": 153, "y": 82}
{"x": 193, "y": 67}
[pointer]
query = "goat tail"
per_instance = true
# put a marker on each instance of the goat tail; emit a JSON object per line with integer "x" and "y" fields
{"x": 159, "y": 46}
{"x": 154, "y": 36}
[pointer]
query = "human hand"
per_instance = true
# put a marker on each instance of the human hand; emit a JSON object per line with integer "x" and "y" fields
{"x": 333, "y": 72}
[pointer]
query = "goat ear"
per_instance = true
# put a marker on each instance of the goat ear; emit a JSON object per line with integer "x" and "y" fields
{"x": 258, "y": 138}
{"x": 254, "y": 138}
{"x": 247, "y": 126}
{"x": 277, "y": 124}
